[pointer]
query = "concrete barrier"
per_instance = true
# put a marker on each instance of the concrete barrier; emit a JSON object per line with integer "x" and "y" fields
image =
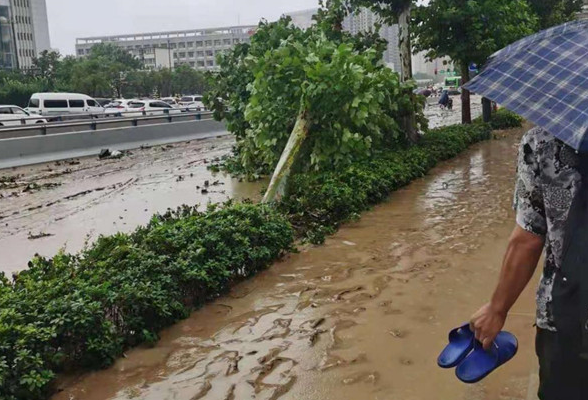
{"x": 38, "y": 149}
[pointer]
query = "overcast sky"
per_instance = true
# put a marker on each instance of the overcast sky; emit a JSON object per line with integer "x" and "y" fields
{"x": 70, "y": 19}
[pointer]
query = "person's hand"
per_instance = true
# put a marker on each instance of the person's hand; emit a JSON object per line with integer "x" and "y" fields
{"x": 486, "y": 324}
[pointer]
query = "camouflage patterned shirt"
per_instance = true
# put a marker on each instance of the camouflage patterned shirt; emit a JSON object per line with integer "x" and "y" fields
{"x": 547, "y": 182}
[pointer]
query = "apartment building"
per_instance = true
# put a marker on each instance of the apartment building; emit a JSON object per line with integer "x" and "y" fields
{"x": 24, "y": 32}
{"x": 363, "y": 21}
{"x": 197, "y": 48}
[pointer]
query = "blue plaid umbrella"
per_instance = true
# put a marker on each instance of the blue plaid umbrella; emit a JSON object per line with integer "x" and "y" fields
{"x": 544, "y": 78}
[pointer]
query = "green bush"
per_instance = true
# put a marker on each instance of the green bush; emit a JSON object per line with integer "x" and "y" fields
{"x": 85, "y": 309}
{"x": 503, "y": 119}
{"x": 317, "y": 204}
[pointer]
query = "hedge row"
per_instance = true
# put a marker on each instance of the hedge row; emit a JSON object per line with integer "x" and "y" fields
{"x": 84, "y": 310}
{"x": 503, "y": 119}
{"x": 318, "y": 204}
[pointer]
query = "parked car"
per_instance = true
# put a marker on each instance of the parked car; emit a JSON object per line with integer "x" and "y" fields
{"x": 103, "y": 102}
{"x": 171, "y": 101}
{"x": 14, "y": 116}
{"x": 150, "y": 107}
{"x": 192, "y": 103}
{"x": 117, "y": 108}
{"x": 53, "y": 104}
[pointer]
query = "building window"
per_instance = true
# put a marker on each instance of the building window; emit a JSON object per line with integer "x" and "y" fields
{"x": 217, "y": 42}
{"x": 210, "y": 63}
{"x": 227, "y": 42}
{"x": 182, "y": 54}
{"x": 200, "y": 63}
{"x": 209, "y": 53}
{"x": 235, "y": 41}
{"x": 199, "y": 44}
{"x": 174, "y": 45}
{"x": 182, "y": 45}
{"x": 208, "y": 43}
{"x": 190, "y": 54}
{"x": 80, "y": 52}
{"x": 200, "y": 54}
{"x": 190, "y": 44}
{"x": 192, "y": 64}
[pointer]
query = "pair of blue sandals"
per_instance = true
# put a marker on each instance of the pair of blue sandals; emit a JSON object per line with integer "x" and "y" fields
{"x": 472, "y": 361}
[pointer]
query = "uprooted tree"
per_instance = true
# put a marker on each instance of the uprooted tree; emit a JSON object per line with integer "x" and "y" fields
{"x": 311, "y": 99}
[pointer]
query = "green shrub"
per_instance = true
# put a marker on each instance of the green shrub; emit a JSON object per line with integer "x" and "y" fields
{"x": 85, "y": 309}
{"x": 503, "y": 119}
{"x": 317, "y": 204}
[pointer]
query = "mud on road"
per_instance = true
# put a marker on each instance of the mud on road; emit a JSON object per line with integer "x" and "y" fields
{"x": 46, "y": 207}
{"x": 362, "y": 317}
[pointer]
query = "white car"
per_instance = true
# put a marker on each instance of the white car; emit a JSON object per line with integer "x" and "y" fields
{"x": 192, "y": 103}
{"x": 171, "y": 101}
{"x": 15, "y": 116}
{"x": 150, "y": 107}
{"x": 117, "y": 108}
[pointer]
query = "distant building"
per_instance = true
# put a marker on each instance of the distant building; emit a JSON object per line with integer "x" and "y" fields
{"x": 155, "y": 58}
{"x": 196, "y": 47}
{"x": 24, "y": 32}
{"x": 436, "y": 69}
{"x": 365, "y": 21}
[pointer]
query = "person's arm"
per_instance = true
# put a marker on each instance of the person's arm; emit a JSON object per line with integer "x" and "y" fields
{"x": 521, "y": 259}
{"x": 524, "y": 248}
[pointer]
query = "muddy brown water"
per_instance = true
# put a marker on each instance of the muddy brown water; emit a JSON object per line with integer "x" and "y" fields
{"x": 47, "y": 207}
{"x": 362, "y": 317}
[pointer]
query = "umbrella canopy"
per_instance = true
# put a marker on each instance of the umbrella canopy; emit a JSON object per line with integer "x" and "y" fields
{"x": 544, "y": 78}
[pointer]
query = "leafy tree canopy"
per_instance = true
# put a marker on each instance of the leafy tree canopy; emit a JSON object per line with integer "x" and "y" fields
{"x": 555, "y": 12}
{"x": 470, "y": 30}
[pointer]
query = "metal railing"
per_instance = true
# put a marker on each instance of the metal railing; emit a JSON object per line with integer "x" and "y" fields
{"x": 93, "y": 122}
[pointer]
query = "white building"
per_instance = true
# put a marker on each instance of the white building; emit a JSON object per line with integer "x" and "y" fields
{"x": 30, "y": 28}
{"x": 364, "y": 21}
{"x": 196, "y": 47}
{"x": 155, "y": 58}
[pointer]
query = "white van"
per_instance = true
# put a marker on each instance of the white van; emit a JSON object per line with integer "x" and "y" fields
{"x": 63, "y": 104}
{"x": 192, "y": 103}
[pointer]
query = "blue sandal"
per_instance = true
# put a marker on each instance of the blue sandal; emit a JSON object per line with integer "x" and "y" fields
{"x": 480, "y": 363}
{"x": 461, "y": 343}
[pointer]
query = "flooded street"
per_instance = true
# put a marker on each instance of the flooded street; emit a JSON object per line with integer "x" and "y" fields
{"x": 46, "y": 207}
{"x": 362, "y": 317}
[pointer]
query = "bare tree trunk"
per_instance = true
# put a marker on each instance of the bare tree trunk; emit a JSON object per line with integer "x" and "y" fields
{"x": 280, "y": 177}
{"x": 466, "y": 110}
{"x": 405, "y": 49}
{"x": 405, "y": 45}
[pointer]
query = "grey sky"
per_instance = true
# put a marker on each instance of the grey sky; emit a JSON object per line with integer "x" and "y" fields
{"x": 69, "y": 19}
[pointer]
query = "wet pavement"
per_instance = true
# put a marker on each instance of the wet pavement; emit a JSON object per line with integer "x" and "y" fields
{"x": 362, "y": 317}
{"x": 65, "y": 204}
{"x": 438, "y": 117}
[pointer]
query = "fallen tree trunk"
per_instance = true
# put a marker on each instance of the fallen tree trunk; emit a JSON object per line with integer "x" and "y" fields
{"x": 284, "y": 167}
